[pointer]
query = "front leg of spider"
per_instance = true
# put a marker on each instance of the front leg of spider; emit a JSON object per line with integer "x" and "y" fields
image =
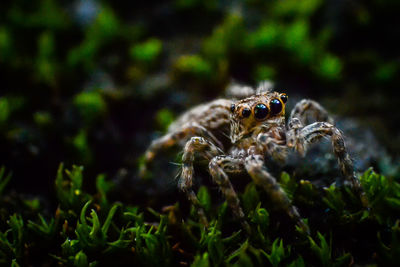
{"x": 254, "y": 165}
{"x": 219, "y": 167}
{"x": 201, "y": 147}
{"x": 313, "y": 133}
{"x": 176, "y": 137}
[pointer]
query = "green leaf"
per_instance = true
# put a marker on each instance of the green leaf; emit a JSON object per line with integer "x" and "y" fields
{"x": 147, "y": 52}
{"x": 322, "y": 251}
{"x": 81, "y": 259}
{"x": 204, "y": 198}
{"x": 193, "y": 65}
{"x": 250, "y": 198}
{"x": 69, "y": 247}
{"x": 288, "y": 184}
{"x": 201, "y": 261}
{"x": 299, "y": 262}
{"x": 334, "y": 199}
{"x": 4, "y": 179}
{"x": 103, "y": 187}
{"x": 107, "y": 223}
{"x": 14, "y": 263}
{"x": 90, "y": 105}
{"x": 277, "y": 252}
{"x": 96, "y": 234}
{"x": 44, "y": 229}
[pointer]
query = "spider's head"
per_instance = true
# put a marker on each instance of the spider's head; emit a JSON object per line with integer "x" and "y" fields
{"x": 253, "y": 113}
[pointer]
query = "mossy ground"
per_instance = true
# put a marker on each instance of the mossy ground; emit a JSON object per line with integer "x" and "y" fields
{"x": 89, "y": 230}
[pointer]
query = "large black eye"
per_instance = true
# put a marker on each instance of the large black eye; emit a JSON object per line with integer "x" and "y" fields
{"x": 284, "y": 98}
{"x": 276, "y": 106}
{"x": 232, "y": 107}
{"x": 260, "y": 111}
{"x": 246, "y": 112}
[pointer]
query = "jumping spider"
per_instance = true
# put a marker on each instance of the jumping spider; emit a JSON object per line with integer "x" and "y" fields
{"x": 255, "y": 124}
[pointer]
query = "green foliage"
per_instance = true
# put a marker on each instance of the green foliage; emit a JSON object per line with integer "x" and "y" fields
{"x": 226, "y": 38}
{"x": 297, "y": 8}
{"x": 147, "y": 52}
{"x": 89, "y": 230}
{"x": 4, "y": 110}
{"x": 383, "y": 196}
{"x": 4, "y": 179}
{"x": 323, "y": 251}
{"x": 105, "y": 27}
{"x": 164, "y": 118}
{"x": 91, "y": 106}
{"x": 45, "y": 65}
{"x": 277, "y": 253}
{"x": 69, "y": 187}
{"x": 44, "y": 229}
{"x": 204, "y": 198}
{"x": 330, "y": 67}
{"x": 193, "y": 66}
{"x": 5, "y": 45}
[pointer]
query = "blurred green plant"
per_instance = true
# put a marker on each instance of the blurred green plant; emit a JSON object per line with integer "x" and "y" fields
{"x": 146, "y": 52}
{"x": 193, "y": 66}
{"x": 91, "y": 106}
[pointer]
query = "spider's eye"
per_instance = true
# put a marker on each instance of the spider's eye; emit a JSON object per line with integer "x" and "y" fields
{"x": 261, "y": 111}
{"x": 284, "y": 98}
{"x": 246, "y": 112}
{"x": 276, "y": 106}
{"x": 232, "y": 107}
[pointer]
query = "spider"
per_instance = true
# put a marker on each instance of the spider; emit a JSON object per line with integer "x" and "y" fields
{"x": 255, "y": 123}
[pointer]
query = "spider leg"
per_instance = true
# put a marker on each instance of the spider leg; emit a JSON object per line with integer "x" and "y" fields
{"x": 219, "y": 167}
{"x": 303, "y": 110}
{"x": 207, "y": 150}
{"x": 314, "y": 132}
{"x": 274, "y": 147}
{"x": 177, "y": 137}
{"x": 309, "y": 108}
{"x": 238, "y": 91}
{"x": 254, "y": 165}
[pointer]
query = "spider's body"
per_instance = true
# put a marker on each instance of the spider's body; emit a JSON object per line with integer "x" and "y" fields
{"x": 255, "y": 124}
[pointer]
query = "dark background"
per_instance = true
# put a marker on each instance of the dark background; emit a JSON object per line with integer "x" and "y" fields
{"x": 93, "y": 82}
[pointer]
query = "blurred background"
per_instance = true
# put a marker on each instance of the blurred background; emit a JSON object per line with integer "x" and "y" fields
{"x": 93, "y": 82}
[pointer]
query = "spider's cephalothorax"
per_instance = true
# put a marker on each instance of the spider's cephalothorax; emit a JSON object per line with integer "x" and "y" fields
{"x": 256, "y": 114}
{"x": 254, "y": 120}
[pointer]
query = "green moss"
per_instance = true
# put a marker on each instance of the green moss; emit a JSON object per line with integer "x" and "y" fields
{"x": 45, "y": 64}
{"x": 193, "y": 66}
{"x": 297, "y": 8}
{"x": 90, "y": 105}
{"x": 264, "y": 72}
{"x": 88, "y": 229}
{"x": 4, "y": 110}
{"x": 229, "y": 37}
{"x": 164, "y": 118}
{"x": 329, "y": 67}
{"x": 146, "y": 52}
{"x": 266, "y": 37}
{"x": 5, "y": 45}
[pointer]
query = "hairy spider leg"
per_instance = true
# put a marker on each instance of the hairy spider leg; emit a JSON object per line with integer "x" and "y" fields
{"x": 276, "y": 148}
{"x": 255, "y": 167}
{"x": 307, "y": 107}
{"x": 203, "y": 148}
{"x": 219, "y": 167}
{"x": 177, "y": 137}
